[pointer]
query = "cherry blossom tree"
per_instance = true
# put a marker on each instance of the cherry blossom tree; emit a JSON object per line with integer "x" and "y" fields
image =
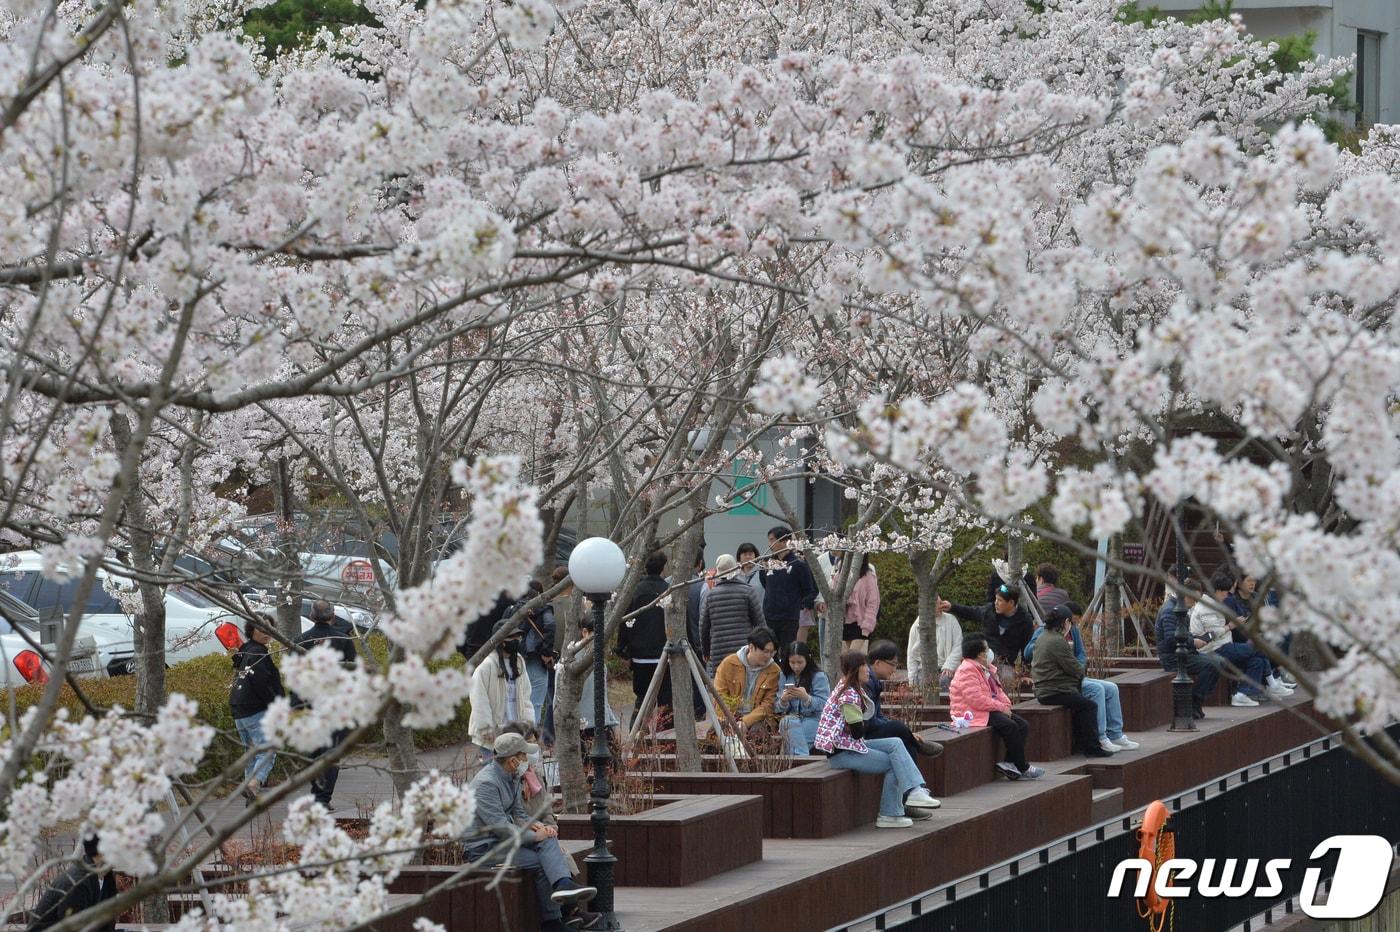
{"x": 203, "y": 250}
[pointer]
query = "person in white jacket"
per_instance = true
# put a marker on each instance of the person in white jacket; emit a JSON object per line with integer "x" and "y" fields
{"x": 948, "y": 636}
{"x": 500, "y": 691}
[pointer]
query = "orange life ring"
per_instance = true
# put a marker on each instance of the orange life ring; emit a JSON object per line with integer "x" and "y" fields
{"x": 1156, "y": 844}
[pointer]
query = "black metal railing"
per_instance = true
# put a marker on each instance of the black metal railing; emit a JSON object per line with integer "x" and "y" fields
{"x": 1280, "y": 808}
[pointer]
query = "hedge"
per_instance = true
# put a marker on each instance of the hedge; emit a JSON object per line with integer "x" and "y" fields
{"x": 967, "y": 583}
{"x": 206, "y": 680}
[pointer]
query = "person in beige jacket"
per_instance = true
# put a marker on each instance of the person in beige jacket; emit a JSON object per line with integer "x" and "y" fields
{"x": 500, "y": 691}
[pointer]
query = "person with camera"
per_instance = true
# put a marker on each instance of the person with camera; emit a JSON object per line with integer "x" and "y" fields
{"x": 539, "y": 628}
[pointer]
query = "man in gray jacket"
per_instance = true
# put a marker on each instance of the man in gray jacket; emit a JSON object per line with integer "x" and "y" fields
{"x": 729, "y": 612}
{"x": 501, "y": 815}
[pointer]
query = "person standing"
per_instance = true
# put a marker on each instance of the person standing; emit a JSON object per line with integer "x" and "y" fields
{"x": 642, "y": 637}
{"x": 1047, "y": 587}
{"x": 500, "y": 690}
{"x": 256, "y": 682}
{"x": 862, "y": 608}
{"x": 728, "y": 614}
{"x": 539, "y": 627}
{"x": 337, "y": 634}
{"x": 788, "y": 587}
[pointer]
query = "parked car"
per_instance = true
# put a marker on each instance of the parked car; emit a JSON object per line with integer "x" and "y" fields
{"x": 213, "y": 579}
{"x": 334, "y": 556}
{"x": 23, "y": 664}
{"x": 193, "y": 623}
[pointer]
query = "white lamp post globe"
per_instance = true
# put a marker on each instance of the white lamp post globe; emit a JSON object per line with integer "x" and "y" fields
{"x": 597, "y": 566}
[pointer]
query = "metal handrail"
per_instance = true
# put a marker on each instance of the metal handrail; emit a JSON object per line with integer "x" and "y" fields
{"x": 1124, "y": 821}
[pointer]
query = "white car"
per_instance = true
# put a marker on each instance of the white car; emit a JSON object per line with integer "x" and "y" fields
{"x": 332, "y": 562}
{"x": 21, "y": 663}
{"x": 194, "y": 626}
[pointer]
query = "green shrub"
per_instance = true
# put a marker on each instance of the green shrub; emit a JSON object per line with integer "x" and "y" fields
{"x": 206, "y": 680}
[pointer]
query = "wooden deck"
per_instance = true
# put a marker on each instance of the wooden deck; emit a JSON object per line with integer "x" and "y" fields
{"x": 811, "y": 884}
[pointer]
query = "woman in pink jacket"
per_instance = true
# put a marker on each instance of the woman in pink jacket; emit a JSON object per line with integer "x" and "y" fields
{"x": 862, "y": 609}
{"x": 975, "y": 689}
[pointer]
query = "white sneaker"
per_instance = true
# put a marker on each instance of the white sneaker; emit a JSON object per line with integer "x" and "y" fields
{"x": 1277, "y": 692}
{"x": 1287, "y": 680}
{"x": 1240, "y": 699}
{"x": 918, "y": 815}
{"x": 1274, "y": 682}
{"x": 890, "y": 821}
{"x": 1033, "y": 773}
{"x": 1109, "y": 746}
{"x": 920, "y": 799}
{"x": 1127, "y": 744}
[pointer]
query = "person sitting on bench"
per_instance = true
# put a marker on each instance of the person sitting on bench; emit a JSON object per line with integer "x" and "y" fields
{"x": 884, "y": 663}
{"x": 1059, "y": 680}
{"x": 747, "y": 681}
{"x": 976, "y": 696}
{"x": 501, "y": 815}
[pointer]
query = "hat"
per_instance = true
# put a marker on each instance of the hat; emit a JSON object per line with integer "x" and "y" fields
{"x": 1060, "y": 613}
{"x": 726, "y": 565}
{"x": 510, "y": 621}
{"x": 90, "y": 847}
{"x": 509, "y": 745}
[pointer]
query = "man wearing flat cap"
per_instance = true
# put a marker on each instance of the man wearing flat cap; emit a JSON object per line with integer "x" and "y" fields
{"x": 501, "y": 815}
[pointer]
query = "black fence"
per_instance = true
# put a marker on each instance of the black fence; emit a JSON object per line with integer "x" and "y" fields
{"x": 1283, "y": 812}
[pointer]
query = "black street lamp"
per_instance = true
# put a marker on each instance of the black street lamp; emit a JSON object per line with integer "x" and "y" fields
{"x": 597, "y": 566}
{"x": 1183, "y": 709}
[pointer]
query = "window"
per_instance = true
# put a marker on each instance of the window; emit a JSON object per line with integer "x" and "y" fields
{"x": 52, "y": 595}
{"x": 19, "y": 583}
{"x": 1368, "y": 77}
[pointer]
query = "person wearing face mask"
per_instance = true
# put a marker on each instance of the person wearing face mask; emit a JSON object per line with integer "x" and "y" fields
{"x": 502, "y": 816}
{"x": 534, "y": 785}
{"x": 500, "y": 690}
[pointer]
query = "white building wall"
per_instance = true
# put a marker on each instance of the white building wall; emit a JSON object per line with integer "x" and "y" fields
{"x": 1336, "y": 23}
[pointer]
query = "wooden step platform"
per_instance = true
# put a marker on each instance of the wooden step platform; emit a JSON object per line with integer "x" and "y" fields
{"x": 813, "y": 884}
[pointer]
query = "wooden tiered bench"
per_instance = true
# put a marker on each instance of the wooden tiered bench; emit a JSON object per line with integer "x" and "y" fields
{"x": 814, "y": 883}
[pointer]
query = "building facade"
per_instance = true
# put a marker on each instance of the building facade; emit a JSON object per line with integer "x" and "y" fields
{"x": 1366, "y": 29}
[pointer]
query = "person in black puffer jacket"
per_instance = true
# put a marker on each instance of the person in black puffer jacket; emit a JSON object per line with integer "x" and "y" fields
{"x": 730, "y": 611}
{"x": 256, "y": 682}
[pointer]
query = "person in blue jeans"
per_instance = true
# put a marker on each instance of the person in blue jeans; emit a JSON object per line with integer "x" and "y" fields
{"x": 840, "y": 733}
{"x": 256, "y": 682}
{"x": 802, "y": 694}
{"x": 1217, "y": 635}
{"x": 501, "y": 815}
{"x": 1103, "y": 693}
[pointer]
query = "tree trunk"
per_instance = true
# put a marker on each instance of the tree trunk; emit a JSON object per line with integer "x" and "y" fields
{"x": 1113, "y": 599}
{"x": 148, "y": 635}
{"x": 568, "y": 749}
{"x": 149, "y": 621}
{"x": 289, "y": 575}
{"x": 682, "y": 683}
{"x": 835, "y": 616}
{"x": 921, "y": 561}
{"x": 403, "y": 753}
